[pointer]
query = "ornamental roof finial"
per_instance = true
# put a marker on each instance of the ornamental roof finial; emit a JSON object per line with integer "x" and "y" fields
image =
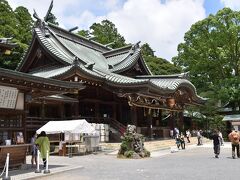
{"x": 48, "y": 15}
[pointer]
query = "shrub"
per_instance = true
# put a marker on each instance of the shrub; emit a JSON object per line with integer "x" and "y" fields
{"x": 128, "y": 154}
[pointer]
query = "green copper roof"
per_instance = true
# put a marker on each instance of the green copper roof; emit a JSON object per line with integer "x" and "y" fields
{"x": 54, "y": 47}
{"x": 91, "y": 59}
{"x": 47, "y": 81}
{"x": 85, "y": 54}
{"x": 232, "y": 117}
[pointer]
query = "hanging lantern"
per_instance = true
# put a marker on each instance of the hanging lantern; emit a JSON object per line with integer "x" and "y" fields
{"x": 7, "y": 52}
{"x": 171, "y": 102}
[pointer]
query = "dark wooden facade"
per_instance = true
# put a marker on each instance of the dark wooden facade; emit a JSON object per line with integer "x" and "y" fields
{"x": 20, "y": 89}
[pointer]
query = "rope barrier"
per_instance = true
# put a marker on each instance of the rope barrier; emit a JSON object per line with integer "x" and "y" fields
{"x": 4, "y": 168}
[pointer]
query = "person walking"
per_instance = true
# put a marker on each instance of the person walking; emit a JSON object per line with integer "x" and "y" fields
{"x": 178, "y": 141}
{"x": 34, "y": 150}
{"x": 199, "y": 137}
{"x": 176, "y": 132}
{"x": 234, "y": 138}
{"x": 44, "y": 146}
{"x": 216, "y": 143}
{"x": 188, "y": 135}
{"x": 182, "y": 141}
{"x": 221, "y": 138}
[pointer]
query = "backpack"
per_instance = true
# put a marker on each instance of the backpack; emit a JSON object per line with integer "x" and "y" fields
{"x": 235, "y": 137}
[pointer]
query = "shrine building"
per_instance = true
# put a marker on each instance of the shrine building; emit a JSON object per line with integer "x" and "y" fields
{"x": 64, "y": 76}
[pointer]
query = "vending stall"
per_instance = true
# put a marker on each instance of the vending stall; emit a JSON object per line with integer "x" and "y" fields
{"x": 71, "y": 136}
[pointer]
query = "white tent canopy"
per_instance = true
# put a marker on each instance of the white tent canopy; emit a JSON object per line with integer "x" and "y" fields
{"x": 68, "y": 126}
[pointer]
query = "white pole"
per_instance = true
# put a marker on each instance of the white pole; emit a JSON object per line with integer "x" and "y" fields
{"x": 7, "y": 165}
{"x": 37, "y": 170}
{"x": 46, "y": 171}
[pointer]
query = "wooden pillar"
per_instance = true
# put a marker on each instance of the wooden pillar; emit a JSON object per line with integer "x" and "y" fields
{"x": 134, "y": 115}
{"x": 114, "y": 111}
{"x": 149, "y": 120}
{"x": 171, "y": 120}
{"x": 120, "y": 112}
{"x": 181, "y": 124}
{"x": 76, "y": 105}
{"x": 24, "y": 116}
{"x": 97, "y": 113}
{"x": 160, "y": 118}
{"x": 62, "y": 111}
{"x": 43, "y": 109}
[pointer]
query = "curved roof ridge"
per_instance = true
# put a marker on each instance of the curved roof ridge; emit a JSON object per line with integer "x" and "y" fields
{"x": 51, "y": 48}
{"x": 25, "y": 54}
{"x": 127, "y": 62}
{"x": 79, "y": 37}
{"x": 181, "y": 75}
{"x": 117, "y": 51}
{"x": 173, "y": 84}
{"x": 41, "y": 69}
{"x": 62, "y": 45}
{"x": 51, "y": 73}
{"x": 120, "y": 79}
{"x": 146, "y": 66}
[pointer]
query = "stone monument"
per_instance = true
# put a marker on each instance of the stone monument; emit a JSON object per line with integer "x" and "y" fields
{"x": 132, "y": 144}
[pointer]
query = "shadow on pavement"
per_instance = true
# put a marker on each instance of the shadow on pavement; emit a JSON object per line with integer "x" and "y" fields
{"x": 27, "y": 168}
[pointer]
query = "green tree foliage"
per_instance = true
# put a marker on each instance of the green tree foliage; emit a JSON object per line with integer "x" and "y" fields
{"x": 160, "y": 66}
{"x": 52, "y": 19}
{"x": 211, "y": 53}
{"x": 157, "y": 65}
{"x": 105, "y": 33}
{"x": 24, "y": 24}
{"x": 147, "y": 50}
{"x": 16, "y": 24}
{"x": 7, "y": 23}
{"x": 84, "y": 33}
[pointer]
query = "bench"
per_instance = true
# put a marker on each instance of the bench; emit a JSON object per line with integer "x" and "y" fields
{"x": 17, "y": 155}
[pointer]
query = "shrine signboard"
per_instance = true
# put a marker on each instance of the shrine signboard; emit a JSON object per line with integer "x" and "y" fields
{"x": 8, "y": 97}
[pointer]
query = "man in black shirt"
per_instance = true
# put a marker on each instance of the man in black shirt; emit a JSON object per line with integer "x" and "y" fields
{"x": 216, "y": 143}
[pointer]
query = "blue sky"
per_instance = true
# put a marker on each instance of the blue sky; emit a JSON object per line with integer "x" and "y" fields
{"x": 212, "y": 6}
{"x": 161, "y": 23}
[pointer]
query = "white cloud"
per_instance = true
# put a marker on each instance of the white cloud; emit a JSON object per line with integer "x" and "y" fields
{"x": 83, "y": 21}
{"x": 41, "y": 7}
{"x": 160, "y": 23}
{"x": 233, "y": 4}
{"x": 111, "y": 4}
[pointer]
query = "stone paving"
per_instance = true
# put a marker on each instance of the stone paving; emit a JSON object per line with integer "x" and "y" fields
{"x": 194, "y": 163}
{"x": 60, "y": 164}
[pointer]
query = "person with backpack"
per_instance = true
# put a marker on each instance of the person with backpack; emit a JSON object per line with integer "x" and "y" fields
{"x": 234, "y": 138}
{"x": 216, "y": 142}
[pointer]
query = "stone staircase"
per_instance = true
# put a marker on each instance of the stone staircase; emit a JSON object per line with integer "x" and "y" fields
{"x": 154, "y": 145}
